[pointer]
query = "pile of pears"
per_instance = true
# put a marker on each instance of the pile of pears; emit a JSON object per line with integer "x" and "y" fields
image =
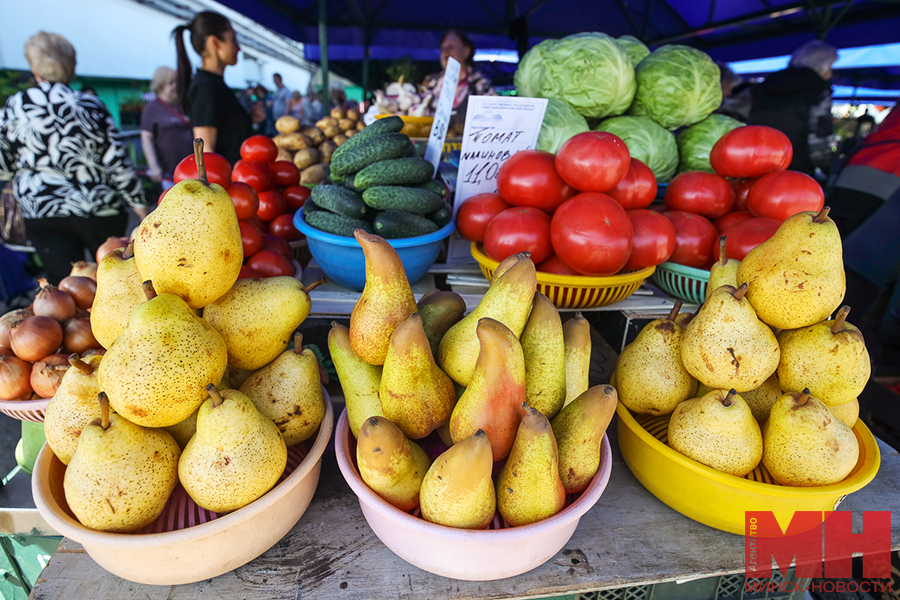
{"x": 197, "y": 384}
{"x": 760, "y": 373}
{"x": 461, "y": 418}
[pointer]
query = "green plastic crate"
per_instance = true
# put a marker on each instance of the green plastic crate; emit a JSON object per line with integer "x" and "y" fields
{"x": 685, "y": 283}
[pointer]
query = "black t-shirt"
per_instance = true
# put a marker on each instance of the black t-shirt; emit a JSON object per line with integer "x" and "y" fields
{"x": 211, "y": 104}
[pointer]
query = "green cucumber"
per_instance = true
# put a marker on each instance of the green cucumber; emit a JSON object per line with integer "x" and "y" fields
{"x": 330, "y": 222}
{"x": 435, "y": 186}
{"x": 340, "y": 200}
{"x": 350, "y": 184}
{"x": 386, "y": 125}
{"x": 400, "y": 224}
{"x": 441, "y": 216}
{"x": 381, "y": 147}
{"x": 414, "y": 200}
{"x": 395, "y": 171}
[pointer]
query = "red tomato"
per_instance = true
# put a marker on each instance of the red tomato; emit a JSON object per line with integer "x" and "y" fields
{"x": 248, "y": 272}
{"x": 284, "y": 173}
{"x": 271, "y": 205}
{"x": 295, "y": 196}
{"x": 593, "y": 161}
{"x": 529, "y": 178}
{"x": 245, "y": 199}
{"x": 476, "y": 212}
{"x": 637, "y": 189}
{"x": 742, "y": 192}
{"x": 654, "y": 239}
{"x": 280, "y": 245}
{"x": 161, "y": 196}
{"x": 592, "y": 234}
{"x": 751, "y": 151}
{"x": 256, "y": 174}
{"x": 217, "y": 169}
{"x": 251, "y": 238}
{"x": 783, "y": 194}
{"x": 696, "y": 239}
{"x": 519, "y": 229}
{"x": 732, "y": 218}
{"x": 747, "y": 235}
{"x": 705, "y": 194}
{"x": 554, "y": 265}
{"x": 258, "y": 223}
{"x": 270, "y": 263}
{"x": 283, "y": 227}
{"x": 259, "y": 148}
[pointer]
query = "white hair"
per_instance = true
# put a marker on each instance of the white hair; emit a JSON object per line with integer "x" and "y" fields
{"x": 51, "y": 57}
{"x": 816, "y": 55}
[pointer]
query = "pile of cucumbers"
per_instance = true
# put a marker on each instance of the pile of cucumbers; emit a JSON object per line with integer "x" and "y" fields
{"x": 379, "y": 186}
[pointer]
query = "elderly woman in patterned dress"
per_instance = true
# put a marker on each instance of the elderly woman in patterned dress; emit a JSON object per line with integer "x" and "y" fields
{"x": 70, "y": 174}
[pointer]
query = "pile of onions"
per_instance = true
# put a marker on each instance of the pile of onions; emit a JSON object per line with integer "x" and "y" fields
{"x": 36, "y": 337}
{"x": 78, "y": 337}
{"x": 15, "y": 378}
{"x": 47, "y": 373}
{"x": 10, "y": 320}
{"x": 84, "y": 269}
{"x": 81, "y": 289}
{"x": 54, "y": 303}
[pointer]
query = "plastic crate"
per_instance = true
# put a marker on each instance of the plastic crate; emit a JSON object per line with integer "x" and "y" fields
{"x": 686, "y": 283}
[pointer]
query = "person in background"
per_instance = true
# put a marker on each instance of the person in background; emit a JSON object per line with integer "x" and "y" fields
{"x": 88, "y": 90}
{"x": 70, "y": 172}
{"x": 296, "y": 109}
{"x": 281, "y": 100}
{"x": 261, "y": 112}
{"x": 312, "y": 108}
{"x": 215, "y": 113}
{"x": 339, "y": 98}
{"x": 471, "y": 81}
{"x": 166, "y": 134}
{"x": 736, "y": 99}
{"x": 797, "y": 102}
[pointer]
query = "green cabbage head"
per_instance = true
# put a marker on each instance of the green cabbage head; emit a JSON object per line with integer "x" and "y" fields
{"x": 696, "y": 142}
{"x": 561, "y": 122}
{"x": 677, "y": 86}
{"x": 648, "y": 142}
{"x": 590, "y": 71}
{"x": 635, "y": 48}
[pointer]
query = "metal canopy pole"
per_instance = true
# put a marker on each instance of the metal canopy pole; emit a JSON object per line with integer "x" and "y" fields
{"x": 323, "y": 50}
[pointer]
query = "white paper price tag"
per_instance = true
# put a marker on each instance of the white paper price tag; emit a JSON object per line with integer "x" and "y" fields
{"x": 442, "y": 115}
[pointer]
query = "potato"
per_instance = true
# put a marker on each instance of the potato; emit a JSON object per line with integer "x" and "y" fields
{"x": 331, "y": 131}
{"x": 292, "y": 141}
{"x": 360, "y": 125}
{"x": 313, "y": 174}
{"x": 316, "y": 135}
{"x": 350, "y": 133}
{"x": 339, "y": 139}
{"x": 346, "y": 124}
{"x": 285, "y": 154}
{"x": 323, "y": 123}
{"x": 353, "y": 114}
{"x": 306, "y": 158}
{"x": 326, "y": 150}
{"x": 338, "y": 112}
{"x": 287, "y": 124}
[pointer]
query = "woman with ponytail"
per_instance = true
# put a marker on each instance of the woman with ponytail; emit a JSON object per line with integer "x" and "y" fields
{"x": 214, "y": 111}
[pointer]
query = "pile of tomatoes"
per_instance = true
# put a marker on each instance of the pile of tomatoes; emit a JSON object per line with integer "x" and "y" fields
{"x": 587, "y": 210}
{"x": 266, "y": 194}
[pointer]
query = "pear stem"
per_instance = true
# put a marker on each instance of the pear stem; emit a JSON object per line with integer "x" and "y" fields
{"x": 298, "y": 343}
{"x": 198, "y": 158}
{"x": 803, "y": 398}
{"x": 79, "y": 364}
{"x": 674, "y": 312}
{"x": 314, "y": 285}
{"x": 214, "y": 394}
{"x": 104, "y": 410}
{"x": 838, "y": 325}
{"x": 129, "y": 251}
{"x": 722, "y": 256}
{"x": 149, "y": 290}
{"x": 726, "y": 401}
{"x": 820, "y": 218}
{"x": 739, "y": 293}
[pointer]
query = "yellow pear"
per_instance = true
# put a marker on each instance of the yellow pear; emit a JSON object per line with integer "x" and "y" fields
{"x": 762, "y": 398}
{"x": 390, "y": 464}
{"x": 236, "y": 456}
{"x": 385, "y": 302}
{"x": 796, "y": 277}
{"x": 829, "y": 358}
{"x": 726, "y": 346}
{"x": 848, "y": 412}
{"x": 118, "y": 292}
{"x": 190, "y": 245}
{"x": 121, "y": 474}
{"x": 183, "y": 432}
{"x": 507, "y": 300}
{"x": 719, "y": 431}
{"x": 723, "y": 271}
{"x": 289, "y": 392}
{"x": 577, "y": 338}
{"x": 650, "y": 377}
{"x": 359, "y": 380}
{"x": 805, "y": 444}
{"x": 579, "y": 430}
{"x": 257, "y": 317}
{"x": 439, "y": 311}
{"x": 544, "y": 349}
{"x": 72, "y": 407}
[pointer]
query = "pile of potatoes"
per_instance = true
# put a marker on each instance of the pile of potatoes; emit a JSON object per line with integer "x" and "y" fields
{"x": 310, "y": 147}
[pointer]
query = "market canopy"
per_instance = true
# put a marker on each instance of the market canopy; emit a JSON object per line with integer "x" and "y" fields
{"x": 729, "y": 30}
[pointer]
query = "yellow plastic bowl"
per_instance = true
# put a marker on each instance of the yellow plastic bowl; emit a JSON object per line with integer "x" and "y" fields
{"x": 575, "y": 291}
{"x": 718, "y": 499}
{"x": 414, "y": 127}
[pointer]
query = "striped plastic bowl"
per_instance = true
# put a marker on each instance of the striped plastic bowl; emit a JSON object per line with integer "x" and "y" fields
{"x": 25, "y": 410}
{"x": 575, "y": 291}
{"x": 686, "y": 283}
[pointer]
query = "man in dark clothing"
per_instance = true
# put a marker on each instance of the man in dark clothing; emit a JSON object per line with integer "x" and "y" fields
{"x": 797, "y": 102}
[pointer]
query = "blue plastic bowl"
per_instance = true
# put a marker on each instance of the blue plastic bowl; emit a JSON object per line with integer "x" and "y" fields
{"x": 343, "y": 260}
